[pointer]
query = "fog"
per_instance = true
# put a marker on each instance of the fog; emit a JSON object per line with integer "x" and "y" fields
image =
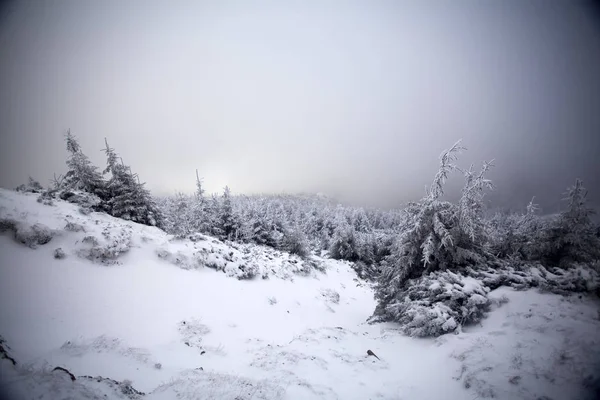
{"x": 352, "y": 99}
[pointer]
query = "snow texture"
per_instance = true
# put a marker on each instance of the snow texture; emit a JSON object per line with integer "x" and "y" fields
{"x": 177, "y": 303}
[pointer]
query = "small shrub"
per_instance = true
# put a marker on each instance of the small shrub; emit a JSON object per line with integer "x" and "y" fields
{"x": 90, "y": 240}
{"x": 85, "y": 210}
{"x": 331, "y": 296}
{"x": 73, "y": 227}
{"x": 8, "y": 225}
{"x": 32, "y": 186}
{"x": 33, "y": 235}
{"x": 59, "y": 254}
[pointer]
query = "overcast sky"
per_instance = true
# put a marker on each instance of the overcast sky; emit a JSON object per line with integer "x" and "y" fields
{"x": 353, "y": 99}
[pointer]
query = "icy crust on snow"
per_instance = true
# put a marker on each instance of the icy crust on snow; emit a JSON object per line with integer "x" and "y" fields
{"x": 107, "y": 240}
{"x": 166, "y": 327}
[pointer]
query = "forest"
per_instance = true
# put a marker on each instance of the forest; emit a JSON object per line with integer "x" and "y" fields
{"x": 431, "y": 262}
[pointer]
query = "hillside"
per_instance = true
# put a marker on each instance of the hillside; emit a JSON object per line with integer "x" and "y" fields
{"x": 132, "y": 312}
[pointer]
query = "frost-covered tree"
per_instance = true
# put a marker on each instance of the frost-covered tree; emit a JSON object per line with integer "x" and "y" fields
{"x": 343, "y": 244}
{"x": 128, "y": 198}
{"x": 439, "y": 235}
{"x": 257, "y": 225}
{"x": 199, "y": 211}
{"x": 82, "y": 174}
{"x": 228, "y": 224}
{"x": 360, "y": 221}
{"x": 570, "y": 238}
{"x": 177, "y": 212}
{"x": 513, "y": 236}
{"x": 199, "y": 189}
{"x": 470, "y": 206}
{"x": 294, "y": 241}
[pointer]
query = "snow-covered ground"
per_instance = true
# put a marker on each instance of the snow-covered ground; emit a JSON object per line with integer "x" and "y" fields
{"x": 170, "y": 317}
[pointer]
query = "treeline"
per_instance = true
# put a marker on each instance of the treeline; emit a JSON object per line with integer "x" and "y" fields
{"x": 293, "y": 223}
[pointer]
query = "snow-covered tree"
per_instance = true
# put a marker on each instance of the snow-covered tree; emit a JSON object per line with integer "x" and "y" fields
{"x": 228, "y": 224}
{"x": 128, "y": 198}
{"x": 343, "y": 244}
{"x": 82, "y": 174}
{"x": 470, "y": 206}
{"x": 294, "y": 241}
{"x": 439, "y": 235}
{"x": 570, "y": 238}
{"x": 360, "y": 221}
{"x": 513, "y": 236}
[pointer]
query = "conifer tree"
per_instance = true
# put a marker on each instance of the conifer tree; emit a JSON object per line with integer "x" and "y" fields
{"x": 129, "y": 199}
{"x": 228, "y": 223}
{"x": 82, "y": 174}
{"x": 571, "y": 237}
{"x": 439, "y": 235}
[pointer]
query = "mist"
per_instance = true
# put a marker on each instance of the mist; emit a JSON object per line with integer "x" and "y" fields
{"x": 355, "y": 99}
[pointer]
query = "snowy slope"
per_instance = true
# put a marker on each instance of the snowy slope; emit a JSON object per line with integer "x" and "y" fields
{"x": 171, "y": 317}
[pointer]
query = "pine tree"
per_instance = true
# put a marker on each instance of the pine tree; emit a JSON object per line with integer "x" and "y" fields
{"x": 198, "y": 211}
{"x": 228, "y": 223}
{"x": 129, "y": 199}
{"x": 439, "y": 235}
{"x": 259, "y": 228}
{"x": 361, "y": 221}
{"x": 470, "y": 206}
{"x": 343, "y": 244}
{"x": 294, "y": 241}
{"x": 82, "y": 174}
{"x": 571, "y": 237}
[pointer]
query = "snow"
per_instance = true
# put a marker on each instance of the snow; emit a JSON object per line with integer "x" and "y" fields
{"x": 154, "y": 312}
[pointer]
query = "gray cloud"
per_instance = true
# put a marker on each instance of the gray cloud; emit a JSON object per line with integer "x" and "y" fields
{"x": 353, "y": 99}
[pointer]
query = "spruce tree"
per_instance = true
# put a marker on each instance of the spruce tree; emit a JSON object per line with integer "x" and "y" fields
{"x": 82, "y": 174}
{"x": 227, "y": 222}
{"x": 570, "y": 238}
{"x": 129, "y": 199}
{"x": 438, "y": 235}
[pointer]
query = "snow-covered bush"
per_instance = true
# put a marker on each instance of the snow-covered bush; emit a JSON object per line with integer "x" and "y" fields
{"x": 46, "y": 198}
{"x": 179, "y": 259}
{"x": 330, "y": 296}
{"x": 32, "y": 186}
{"x": 570, "y": 237}
{"x": 580, "y": 278}
{"x": 59, "y": 253}
{"x": 29, "y": 235}
{"x": 83, "y": 199}
{"x": 108, "y": 249}
{"x": 438, "y": 303}
{"x": 562, "y": 240}
{"x": 294, "y": 242}
{"x": 8, "y": 224}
